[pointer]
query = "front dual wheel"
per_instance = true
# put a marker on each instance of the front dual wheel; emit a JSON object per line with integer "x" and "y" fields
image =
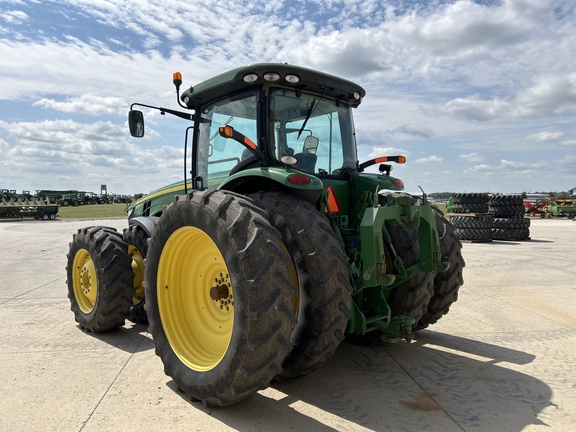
{"x": 219, "y": 296}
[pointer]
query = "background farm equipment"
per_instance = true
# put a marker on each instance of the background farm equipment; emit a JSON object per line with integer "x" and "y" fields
{"x": 122, "y": 199}
{"x": 8, "y": 194}
{"x": 35, "y": 208}
{"x": 535, "y": 208}
{"x": 560, "y": 208}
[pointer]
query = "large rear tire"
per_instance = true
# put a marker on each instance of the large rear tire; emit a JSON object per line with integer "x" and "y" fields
{"x": 99, "y": 278}
{"x": 219, "y": 296}
{"x": 446, "y": 284}
{"x": 323, "y": 302}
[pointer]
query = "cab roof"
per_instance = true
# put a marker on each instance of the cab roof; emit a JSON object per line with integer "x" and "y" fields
{"x": 308, "y": 80}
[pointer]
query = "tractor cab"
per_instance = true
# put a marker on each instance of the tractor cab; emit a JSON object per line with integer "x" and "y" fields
{"x": 301, "y": 131}
{"x": 268, "y": 116}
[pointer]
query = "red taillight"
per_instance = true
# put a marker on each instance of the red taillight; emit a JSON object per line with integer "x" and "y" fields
{"x": 299, "y": 179}
{"x": 399, "y": 183}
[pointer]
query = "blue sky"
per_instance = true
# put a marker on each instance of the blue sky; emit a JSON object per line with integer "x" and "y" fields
{"x": 479, "y": 95}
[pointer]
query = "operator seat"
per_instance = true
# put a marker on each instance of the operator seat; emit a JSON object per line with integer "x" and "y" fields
{"x": 307, "y": 159}
{"x": 306, "y": 162}
{"x": 248, "y": 159}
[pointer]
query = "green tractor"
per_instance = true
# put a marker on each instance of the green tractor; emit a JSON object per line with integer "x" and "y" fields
{"x": 275, "y": 247}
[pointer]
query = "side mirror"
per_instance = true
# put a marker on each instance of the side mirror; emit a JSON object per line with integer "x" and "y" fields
{"x": 219, "y": 143}
{"x": 310, "y": 144}
{"x": 136, "y": 123}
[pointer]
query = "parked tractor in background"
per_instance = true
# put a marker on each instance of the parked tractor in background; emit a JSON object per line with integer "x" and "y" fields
{"x": 8, "y": 194}
{"x": 277, "y": 247}
{"x": 74, "y": 199}
{"x": 121, "y": 199}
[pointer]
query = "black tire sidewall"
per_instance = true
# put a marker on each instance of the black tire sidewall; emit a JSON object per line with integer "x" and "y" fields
{"x": 172, "y": 219}
{"x": 259, "y": 272}
{"x": 136, "y": 236}
{"x": 322, "y": 269}
{"x": 114, "y": 277}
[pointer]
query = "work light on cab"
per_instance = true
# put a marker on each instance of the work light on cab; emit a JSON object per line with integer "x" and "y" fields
{"x": 250, "y": 78}
{"x": 292, "y": 79}
{"x": 271, "y": 76}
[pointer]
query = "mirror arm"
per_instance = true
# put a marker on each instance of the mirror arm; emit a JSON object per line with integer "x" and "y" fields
{"x": 230, "y": 132}
{"x": 398, "y": 159}
{"x": 163, "y": 111}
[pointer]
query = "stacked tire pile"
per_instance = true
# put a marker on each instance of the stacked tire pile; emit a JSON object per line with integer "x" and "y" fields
{"x": 472, "y": 220}
{"x": 509, "y": 220}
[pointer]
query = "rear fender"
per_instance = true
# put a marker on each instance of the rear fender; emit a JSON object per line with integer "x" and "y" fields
{"x": 252, "y": 180}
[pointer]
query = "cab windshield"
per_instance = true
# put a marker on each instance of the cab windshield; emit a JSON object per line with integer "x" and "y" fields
{"x": 314, "y": 130}
{"x": 217, "y": 155}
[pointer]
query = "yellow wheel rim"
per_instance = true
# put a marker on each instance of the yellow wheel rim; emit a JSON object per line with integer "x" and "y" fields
{"x": 195, "y": 298}
{"x": 85, "y": 281}
{"x": 139, "y": 271}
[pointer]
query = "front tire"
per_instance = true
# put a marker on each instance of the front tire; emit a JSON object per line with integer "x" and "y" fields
{"x": 137, "y": 241}
{"x": 447, "y": 283}
{"x": 218, "y": 296}
{"x": 99, "y": 279}
{"x": 410, "y": 298}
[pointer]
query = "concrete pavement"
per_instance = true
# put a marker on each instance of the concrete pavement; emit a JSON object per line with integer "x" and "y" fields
{"x": 502, "y": 359}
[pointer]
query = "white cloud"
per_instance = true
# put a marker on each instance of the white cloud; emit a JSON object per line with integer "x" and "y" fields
{"x": 3, "y": 145}
{"x": 569, "y": 143}
{"x": 471, "y": 157}
{"x": 13, "y": 17}
{"x": 413, "y": 130}
{"x": 101, "y": 148}
{"x": 509, "y": 169}
{"x": 428, "y": 160}
{"x": 352, "y": 53}
{"x": 475, "y": 109}
{"x": 567, "y": 165}
{"x": 546, "y": 136}
{"x": 86, "y": 104}
{"x": 550, "y": 96}
{"x": 388, "y": 151}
